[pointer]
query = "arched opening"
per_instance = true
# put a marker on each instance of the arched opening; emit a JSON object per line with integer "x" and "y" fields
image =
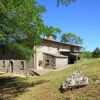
{"x": 47, "y": 62}
{"x": 3, "y": 64}
{"x": 11, "y": 67}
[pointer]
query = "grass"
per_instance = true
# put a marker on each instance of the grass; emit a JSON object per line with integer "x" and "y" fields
{"x": 46, "y": 87}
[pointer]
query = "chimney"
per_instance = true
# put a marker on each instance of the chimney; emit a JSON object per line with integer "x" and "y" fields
{"x": 48, "y": 37}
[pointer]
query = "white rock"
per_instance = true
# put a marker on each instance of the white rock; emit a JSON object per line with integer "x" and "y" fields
{"x": 75, "y": 80}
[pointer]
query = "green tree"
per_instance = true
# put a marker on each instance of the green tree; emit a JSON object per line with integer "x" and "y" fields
{"x": 86, "y": 54}
{"x": 52, "y": 31}
{"x": 71, "y": 38}
{"x": 21, "y": 25}
{"x": 96, "y": 53}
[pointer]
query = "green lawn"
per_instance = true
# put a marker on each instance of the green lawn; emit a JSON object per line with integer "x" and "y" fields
{"x": 46, "y": 87}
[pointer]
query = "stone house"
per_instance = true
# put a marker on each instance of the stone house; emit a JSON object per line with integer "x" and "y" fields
{"x": 49, "y": 54}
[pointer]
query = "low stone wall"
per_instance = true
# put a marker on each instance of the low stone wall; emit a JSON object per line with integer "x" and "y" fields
{"x": 13, "y": 66}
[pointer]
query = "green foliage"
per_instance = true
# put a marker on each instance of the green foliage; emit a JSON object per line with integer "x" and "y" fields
{"x": 96, "y": 53}
{"x": 71, "y": 38}
{"x": 21, "y": 25}
{"x": 23, "y": 51}
{"x": 86, "y": 54}
{"x": 52, "y": 31}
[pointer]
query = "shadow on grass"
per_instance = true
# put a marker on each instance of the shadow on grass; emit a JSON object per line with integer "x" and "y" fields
{"x": 11, "y": 87}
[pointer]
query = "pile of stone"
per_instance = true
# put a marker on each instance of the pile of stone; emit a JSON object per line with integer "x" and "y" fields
{"x": 76, "y": 80}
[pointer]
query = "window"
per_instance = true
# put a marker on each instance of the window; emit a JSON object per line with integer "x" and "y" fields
{"x": 40, "y": 63}
{"x": 71, "y": 49}
{"x": 22, "y": 65}
{"x": 47, "y": 60}
{"x": 47, "y": 63}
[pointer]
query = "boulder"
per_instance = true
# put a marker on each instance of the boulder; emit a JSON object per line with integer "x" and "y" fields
{"x": 76, "y": 80}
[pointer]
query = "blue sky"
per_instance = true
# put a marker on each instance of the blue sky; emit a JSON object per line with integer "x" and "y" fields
{"x": 81, "y": 17}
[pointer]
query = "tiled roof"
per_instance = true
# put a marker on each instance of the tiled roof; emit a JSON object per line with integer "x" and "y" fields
{"x": 63, "y": 43}
{"x": 56, "y": 55}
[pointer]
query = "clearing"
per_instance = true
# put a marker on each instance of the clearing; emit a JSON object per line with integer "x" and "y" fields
{"x": 46, "y": 87}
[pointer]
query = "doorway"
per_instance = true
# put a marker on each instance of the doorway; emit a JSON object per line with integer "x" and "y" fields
{"x": 71, "y": 59}
{"x": 11, "y": 67}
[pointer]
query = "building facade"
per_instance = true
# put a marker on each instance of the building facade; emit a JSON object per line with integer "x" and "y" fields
{"x": 49, "y": 54}
{"x": 53, "y": 54}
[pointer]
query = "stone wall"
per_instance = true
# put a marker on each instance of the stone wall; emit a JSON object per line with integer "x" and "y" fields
{"x": 14, "y": 66}
{"x": 49, "y": 61}
{"x": 54, "y": 62}
{"x": 51, "y": 47}
{"x": 11, "y": 62}
{"x": 61, "y": 62}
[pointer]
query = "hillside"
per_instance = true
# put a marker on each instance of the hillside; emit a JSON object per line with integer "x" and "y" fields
{"x": 46, "y": 86}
